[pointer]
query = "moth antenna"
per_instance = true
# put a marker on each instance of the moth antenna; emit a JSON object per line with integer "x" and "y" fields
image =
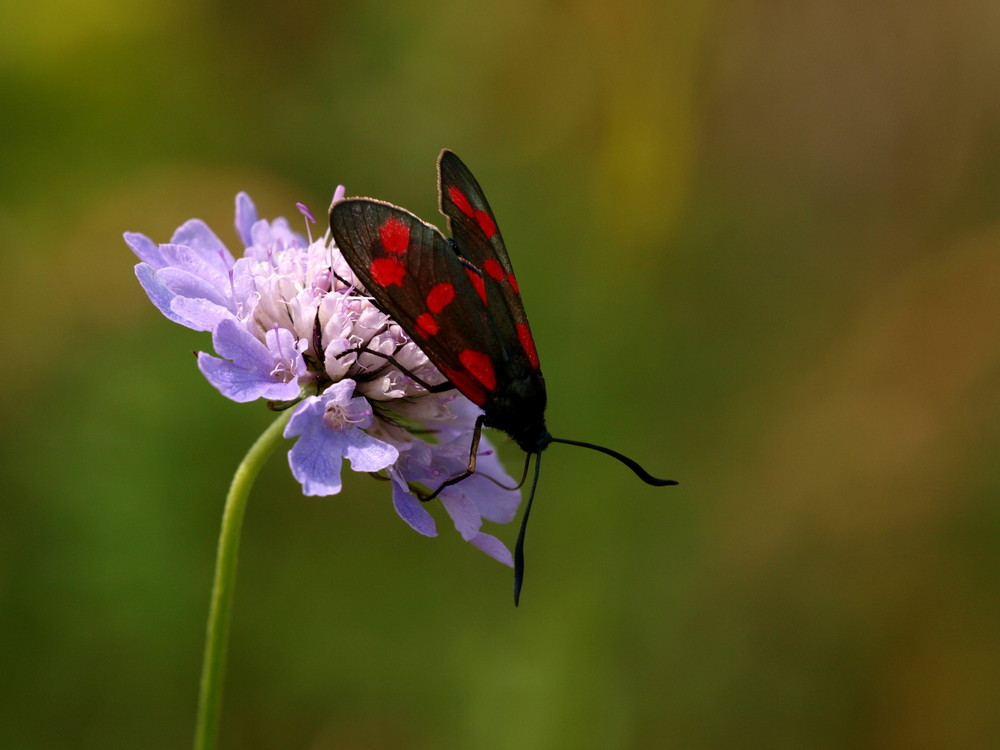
{"x": 519, "y": 547}
{"x": 640, "y": 472}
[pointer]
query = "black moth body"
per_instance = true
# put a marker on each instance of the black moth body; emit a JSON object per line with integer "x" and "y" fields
{"x": 458, "y": 299}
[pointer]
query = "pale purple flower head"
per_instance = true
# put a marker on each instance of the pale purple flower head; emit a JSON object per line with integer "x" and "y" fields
{"x": 286, "y": 318}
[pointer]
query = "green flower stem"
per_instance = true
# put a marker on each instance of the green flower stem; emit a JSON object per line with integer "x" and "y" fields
{"x": 217, "y": 636}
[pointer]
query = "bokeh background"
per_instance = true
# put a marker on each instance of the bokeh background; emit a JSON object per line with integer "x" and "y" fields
{"x": 760, "y": 247}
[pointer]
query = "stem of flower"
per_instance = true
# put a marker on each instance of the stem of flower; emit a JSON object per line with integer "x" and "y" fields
{"x": 219, "y": 615}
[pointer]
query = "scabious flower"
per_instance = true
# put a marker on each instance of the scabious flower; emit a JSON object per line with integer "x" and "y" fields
{"x": 288, "y": 319}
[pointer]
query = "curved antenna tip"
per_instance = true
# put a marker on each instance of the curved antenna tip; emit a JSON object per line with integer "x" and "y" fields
{"x": 640, "y": 472}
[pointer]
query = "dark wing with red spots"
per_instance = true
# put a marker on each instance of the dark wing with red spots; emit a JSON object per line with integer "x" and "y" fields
{"x": 474, "y": 230}
{"x": 415, "y": 276}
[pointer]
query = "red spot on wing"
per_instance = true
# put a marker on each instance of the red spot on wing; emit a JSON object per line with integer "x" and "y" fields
{"x": 494, "y": 269}
{"x": 527, "y": 343}
{"x": 387, "y": 271}
{"x": 480, "y": 367}
{"x": 466, "y": 385}
{"x": 486, "y": 223}
{"x": 440, "y": 296}
{"x": 395, "y": 236}
{"x": 513, "y": 283}
{"x": 459, "y": 199}
{"x": 427, "y": 325}
{"x": 478, "y": 283}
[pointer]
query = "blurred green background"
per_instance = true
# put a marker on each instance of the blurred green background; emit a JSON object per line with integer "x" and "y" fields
{"x": 760, "y": 247}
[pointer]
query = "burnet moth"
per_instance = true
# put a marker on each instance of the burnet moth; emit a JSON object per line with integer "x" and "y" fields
{"x": 459, "y": 301}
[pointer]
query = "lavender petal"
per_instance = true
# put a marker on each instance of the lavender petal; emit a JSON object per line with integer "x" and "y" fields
{"x": 411, "y": 510}
{"x": 199, "y": 314}
{"x": 246, "y": 217}
{"x": 194, "y": 233}
{"x": 463, "y": 512}
{"x": 315, "y": 464}
{"x": 493, "y": 547}
{"x": 145, "y": 249}
{"x": 158, "y": 292}
{"x": 367, "y": 453}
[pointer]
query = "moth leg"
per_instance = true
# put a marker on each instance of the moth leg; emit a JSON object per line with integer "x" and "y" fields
{"x": 438, "y": 388}
{"x": 477, "y": 431}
